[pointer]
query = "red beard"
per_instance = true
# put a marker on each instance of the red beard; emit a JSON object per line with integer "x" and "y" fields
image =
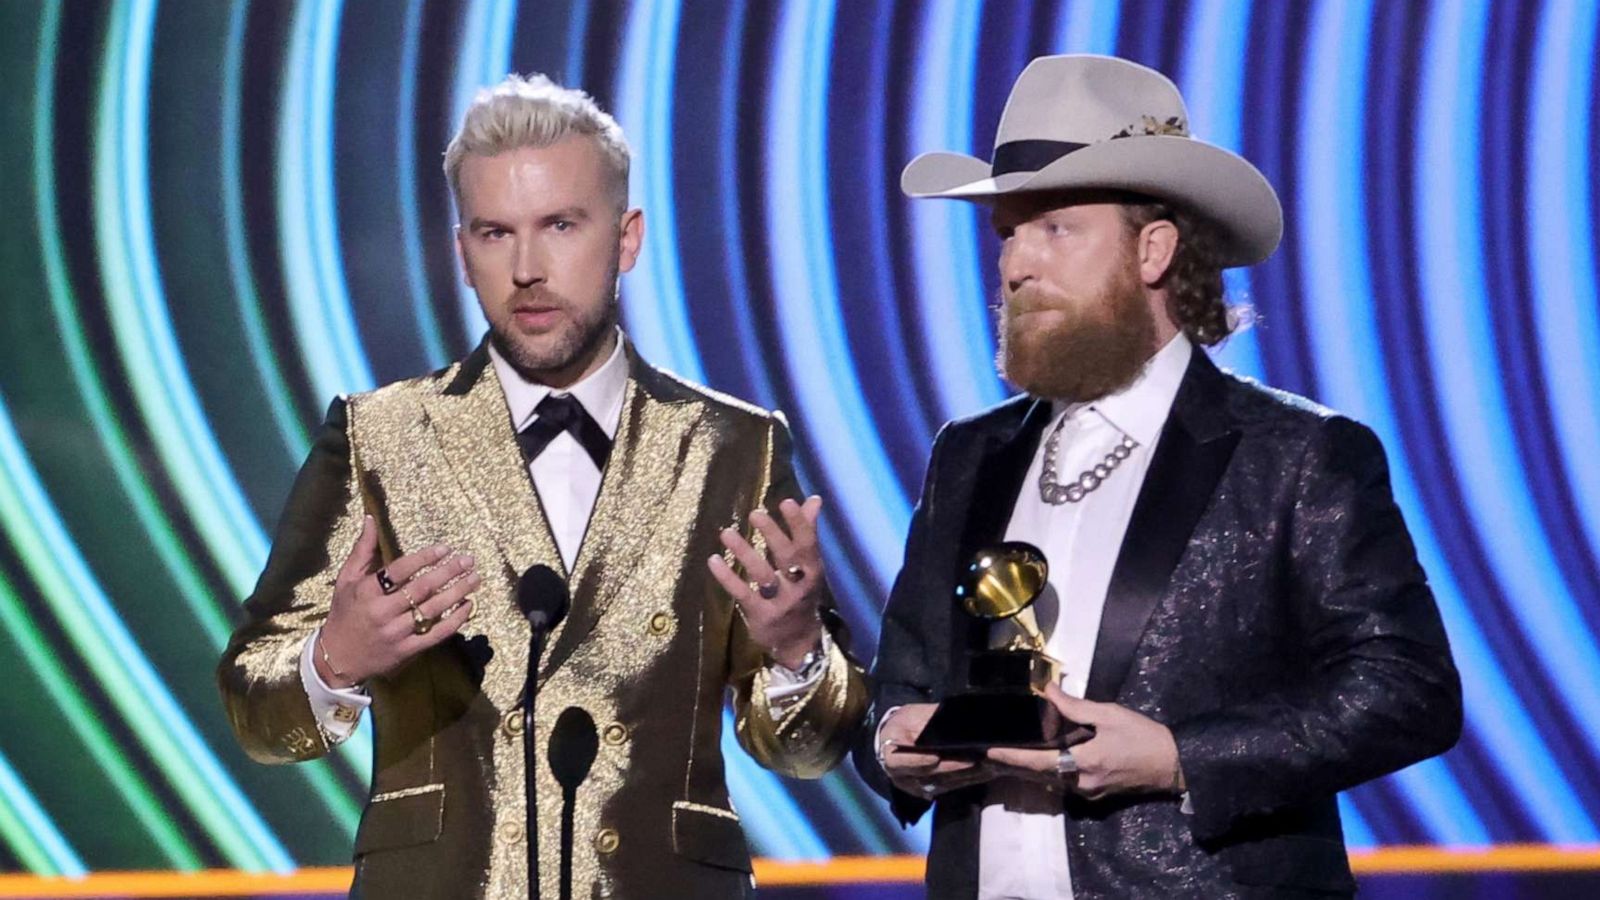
{"x": 1096, "y": 347}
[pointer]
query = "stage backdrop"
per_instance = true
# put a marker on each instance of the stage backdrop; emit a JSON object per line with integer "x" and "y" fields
{"x": 218, "y": 216}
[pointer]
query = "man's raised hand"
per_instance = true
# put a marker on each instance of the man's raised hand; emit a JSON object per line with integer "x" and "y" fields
{"x": 382, "y": 616}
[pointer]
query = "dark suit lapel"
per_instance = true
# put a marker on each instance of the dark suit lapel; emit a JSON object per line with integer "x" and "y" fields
{"x": 640, "y": 476}
{"x": 997, "y": 478}
{"x": 994, "y": 482}
{"x": 1190, "y": 456}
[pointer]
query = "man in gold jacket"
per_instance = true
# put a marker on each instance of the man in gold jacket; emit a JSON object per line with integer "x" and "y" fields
{"x": 393, "y": 575}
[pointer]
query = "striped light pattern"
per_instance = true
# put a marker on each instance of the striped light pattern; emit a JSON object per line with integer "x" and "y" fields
{"x": 219, "y": 215}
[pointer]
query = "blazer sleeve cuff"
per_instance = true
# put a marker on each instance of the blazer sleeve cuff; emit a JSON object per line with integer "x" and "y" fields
{"x": 806, "y": 737}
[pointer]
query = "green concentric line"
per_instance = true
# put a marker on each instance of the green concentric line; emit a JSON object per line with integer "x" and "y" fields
{"x": 82, "y": 718}
{"x": 133, "y": 294}
{"x": 27, "y": 829}
{"x": 164, "y": 541}
{"x": 279, "y": 399}
{"x": 63, "y": 305}
{"x": 108, "y": 650}
{"x": 319, "y": 299}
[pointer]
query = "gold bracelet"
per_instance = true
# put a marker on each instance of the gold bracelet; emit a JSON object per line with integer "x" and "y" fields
{"x": 322, "y": 648}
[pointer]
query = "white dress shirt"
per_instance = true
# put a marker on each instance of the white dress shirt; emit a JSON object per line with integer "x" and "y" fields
{"x": 564, "y": 475}
{"x": 567, "y": 483}
{"x": 1022, "y": 835}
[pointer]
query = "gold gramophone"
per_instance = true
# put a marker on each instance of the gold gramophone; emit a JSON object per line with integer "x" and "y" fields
{"x": 1003, "y": 704}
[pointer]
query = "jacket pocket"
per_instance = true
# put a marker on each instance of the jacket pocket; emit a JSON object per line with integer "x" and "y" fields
{"x": 710, "y": 835}
{"x": 402, "y": 818}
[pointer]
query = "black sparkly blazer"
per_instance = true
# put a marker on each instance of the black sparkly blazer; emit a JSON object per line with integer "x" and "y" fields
{"x": 1267, "y": 605}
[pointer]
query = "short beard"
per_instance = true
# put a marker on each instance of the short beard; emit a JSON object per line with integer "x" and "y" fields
{"x": 577, "y": 344}
{"x": 1098, "y": 350}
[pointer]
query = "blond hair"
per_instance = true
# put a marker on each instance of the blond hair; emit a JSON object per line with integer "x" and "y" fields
{"x": 534, "y": 111}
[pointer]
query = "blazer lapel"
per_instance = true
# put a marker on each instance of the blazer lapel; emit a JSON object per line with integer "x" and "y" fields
{"x": 643, "y": 470}
{"x": 473, "y": 426}
{"x": 992, "y": 487}
{"x": 1190, "y": 456}
{"x": 1006, "y": 454}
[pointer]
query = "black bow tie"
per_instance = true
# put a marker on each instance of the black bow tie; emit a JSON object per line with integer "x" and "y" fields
{"x": 558, "y": 413}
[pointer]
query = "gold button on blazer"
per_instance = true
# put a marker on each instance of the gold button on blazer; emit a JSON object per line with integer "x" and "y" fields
{"x": 650, "y": 647}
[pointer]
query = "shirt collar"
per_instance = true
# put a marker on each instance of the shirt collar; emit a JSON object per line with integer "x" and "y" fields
{"x": 1140, "y": 409}
{"x": 600, "y": 391}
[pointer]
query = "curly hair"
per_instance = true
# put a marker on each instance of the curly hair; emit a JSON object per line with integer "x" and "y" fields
{"x": 1194, "y": 279}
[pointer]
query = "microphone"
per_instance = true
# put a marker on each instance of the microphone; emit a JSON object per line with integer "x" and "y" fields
{"x": 573, "y": 745}
{"x": 543, "y": 598}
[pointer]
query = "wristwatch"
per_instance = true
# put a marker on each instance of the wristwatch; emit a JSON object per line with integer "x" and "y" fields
{"x": 812, "y": 663}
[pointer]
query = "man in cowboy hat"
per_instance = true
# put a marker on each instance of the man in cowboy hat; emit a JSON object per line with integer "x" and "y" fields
{"x": 1232, "y": 594}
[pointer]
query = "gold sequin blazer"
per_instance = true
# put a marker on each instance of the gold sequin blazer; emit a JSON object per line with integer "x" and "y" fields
{"x": 649, "y": 648}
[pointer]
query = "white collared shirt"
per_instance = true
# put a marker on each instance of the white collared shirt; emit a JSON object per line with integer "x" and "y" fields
{"x": 1022, "y": 836}
{"x": 568, "y": 484}
{"x": 565, "y": 476}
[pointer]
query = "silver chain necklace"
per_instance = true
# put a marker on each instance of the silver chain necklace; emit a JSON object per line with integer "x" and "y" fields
{"x": 1056, "y": 494}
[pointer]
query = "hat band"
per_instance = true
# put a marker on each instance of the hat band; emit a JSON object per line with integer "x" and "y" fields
{"x": 1028, "y": 156}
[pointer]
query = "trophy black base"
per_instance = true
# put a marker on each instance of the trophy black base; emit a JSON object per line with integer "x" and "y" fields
{"x": 968, "y": 724}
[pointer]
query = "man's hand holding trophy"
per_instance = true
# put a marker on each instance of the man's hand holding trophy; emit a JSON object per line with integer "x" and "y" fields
{"x": 1011, "y": 698}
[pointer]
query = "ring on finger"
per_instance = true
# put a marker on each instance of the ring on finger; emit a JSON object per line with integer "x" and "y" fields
{"x": 385, "y": 583}
{"x": 767, "y": 589}
{"x": 1066, "y": 764}
{"x": 795, "y": 573}
{"x": 420, "y": 624}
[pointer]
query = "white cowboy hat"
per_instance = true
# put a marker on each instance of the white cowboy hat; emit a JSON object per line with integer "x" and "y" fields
{"x": 1097, "y": 122}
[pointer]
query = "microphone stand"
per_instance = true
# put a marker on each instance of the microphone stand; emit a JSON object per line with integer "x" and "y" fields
{"x": 530, "y": 779}
{"x": 543, "y": 597}
{"x": 574, "y": 743}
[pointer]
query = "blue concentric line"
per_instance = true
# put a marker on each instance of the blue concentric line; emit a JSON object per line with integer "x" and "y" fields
{"x": 777, "y": 826}
{"x": 806, "y": 296}
{"x": 143, "y": 330}
{"x": 1212, "y": 82}
{"x": 64, "y": 307}
{"x": 208, "y": 487}
{"x": 1561, "y": 247}
{"x": 157, "y": 530}
{"x": 357, "y": 750}
{"x": 279, "y": 399}
{"x": 1357, "y": 835}
{"x": 1339, "y": 301}
{"x": 804, "y": 37}
{"x": 958, "y": 344}
{"x": 1460, "y": 348}
{"x": 881, "y": 181}
{"x": 86, "y": 724}
{"x": 577, "y": 34}
{"x": 308, "y": 222}
{"x": 405, "y": 169}
{"x": 655, "y": 307}
{"x": 483, "y": 60}
{"x": 657, "y": 317}
{"x": 747, "y": 342}
{"x": 19, "y": 804}
{"x": 1088, "y": 26}
{"x": 102, "y": 640}
{"x": 485, "y": 55}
